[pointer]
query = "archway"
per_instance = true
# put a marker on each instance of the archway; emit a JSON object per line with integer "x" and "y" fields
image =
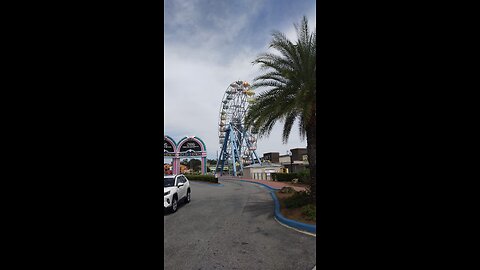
{"x": 170, "y": 151}
{"x": 192, "y": 146}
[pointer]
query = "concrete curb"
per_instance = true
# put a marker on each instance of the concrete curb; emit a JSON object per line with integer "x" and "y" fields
{"x": 291, "y": 223}
{"x": 278, "y": 215}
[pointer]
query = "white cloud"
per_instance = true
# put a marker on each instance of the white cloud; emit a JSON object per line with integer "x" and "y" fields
{"x": 200, "y": 63}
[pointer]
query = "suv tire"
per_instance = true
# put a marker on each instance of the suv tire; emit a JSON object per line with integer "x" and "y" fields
{"x": 187, "y": 198}
{"x": 174, "y": 204}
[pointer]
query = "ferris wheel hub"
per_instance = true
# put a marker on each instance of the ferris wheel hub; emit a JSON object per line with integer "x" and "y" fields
{"x": 237, "y": 142}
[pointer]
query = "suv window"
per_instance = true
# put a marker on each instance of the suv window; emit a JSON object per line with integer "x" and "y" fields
{"x": 179, "y": 180}
{"x": 182, "y": 179}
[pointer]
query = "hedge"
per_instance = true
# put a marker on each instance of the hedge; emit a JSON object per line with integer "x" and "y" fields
{"x": 302, "y": 177}
{"x": 284, "y": 177}
{"x": 205, "y": 178}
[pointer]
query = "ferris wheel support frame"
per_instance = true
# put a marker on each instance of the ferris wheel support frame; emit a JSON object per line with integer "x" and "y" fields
{"x": 238, "y": 152}
{"x": 237, "y": 144}
{"x": 222, "y": 157}
{"x": 235, "y": 152}
{"x": 249, "y": 145}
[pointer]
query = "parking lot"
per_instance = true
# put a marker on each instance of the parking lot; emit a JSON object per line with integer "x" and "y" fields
{"x": 231, "y": 226}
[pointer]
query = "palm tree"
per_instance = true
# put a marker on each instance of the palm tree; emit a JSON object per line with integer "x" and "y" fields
{"x": 291, "y": 91}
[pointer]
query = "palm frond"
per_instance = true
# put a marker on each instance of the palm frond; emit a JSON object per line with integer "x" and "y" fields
{"x": 290, "y": 83}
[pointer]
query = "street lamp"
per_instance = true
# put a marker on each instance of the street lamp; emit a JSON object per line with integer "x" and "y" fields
{"x": 289, "y": 153}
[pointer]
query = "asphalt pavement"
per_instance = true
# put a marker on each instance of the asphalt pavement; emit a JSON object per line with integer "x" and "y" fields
{"x": 232, "y": 227}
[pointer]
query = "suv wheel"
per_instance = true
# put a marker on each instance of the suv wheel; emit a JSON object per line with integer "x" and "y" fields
{"x": 187, "y": 199}
{"x": 174, "y": 204}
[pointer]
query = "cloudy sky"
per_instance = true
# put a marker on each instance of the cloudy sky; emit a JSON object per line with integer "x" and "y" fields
{"x": 208, "y": 45}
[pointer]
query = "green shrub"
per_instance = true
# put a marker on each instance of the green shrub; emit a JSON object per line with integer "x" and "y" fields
{"x": 299, "y": 199}
{"x": 287, "y": 190}
{"x": 304, "y": 176}
{"x": 310, "y": 212}
{"x": 284, "y": 177}
{"x": 199, "y": 177}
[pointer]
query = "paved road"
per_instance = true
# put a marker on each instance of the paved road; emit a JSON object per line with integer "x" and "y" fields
{"x": 232, "y": 227}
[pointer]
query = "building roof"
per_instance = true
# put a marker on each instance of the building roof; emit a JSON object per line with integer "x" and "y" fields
{"x": 264, "y": 165}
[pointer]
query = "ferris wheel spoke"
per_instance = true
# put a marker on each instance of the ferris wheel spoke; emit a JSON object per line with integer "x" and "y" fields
{"x": 237, "y": 143}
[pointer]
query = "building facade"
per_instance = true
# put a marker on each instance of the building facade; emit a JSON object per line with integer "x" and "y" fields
{"x": 296, "y": 161}
{"x": 272, "y": 157}
{"x": 261, "y": 172}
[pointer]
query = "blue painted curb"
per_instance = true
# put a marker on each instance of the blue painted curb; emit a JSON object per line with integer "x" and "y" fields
{"x": 292, "y": 223}
{"x": 268, "y": 187}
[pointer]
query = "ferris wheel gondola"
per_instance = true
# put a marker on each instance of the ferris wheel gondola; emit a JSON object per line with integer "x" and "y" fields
{"x": 237, "y": 142}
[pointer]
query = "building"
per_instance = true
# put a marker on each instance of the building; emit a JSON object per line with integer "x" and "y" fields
{"x": 284, "y": 160}
{"x": 299, "y": 154}
{"x": 183, "y": 169}
{"x": 167, "y": 169}
{"x": 271, "y": 157}
{"x": 262, "y": 172}
{"x": 296, "y": 161}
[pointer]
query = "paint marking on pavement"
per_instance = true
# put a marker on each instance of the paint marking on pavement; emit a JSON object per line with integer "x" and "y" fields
{"x": 304, "y": 232}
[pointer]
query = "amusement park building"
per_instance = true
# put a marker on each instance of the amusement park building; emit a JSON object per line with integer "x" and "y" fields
{"x": 295, "y": 162}
{"x": 212, "y": 168}
{"x": 273, "y": 162}
{"x": 263, "y": 172}
{"x": 272, "y": 157}
{"x": 168, "y": 168}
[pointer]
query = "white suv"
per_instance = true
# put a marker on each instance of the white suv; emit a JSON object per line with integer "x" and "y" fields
{"x": 175, "y": 189}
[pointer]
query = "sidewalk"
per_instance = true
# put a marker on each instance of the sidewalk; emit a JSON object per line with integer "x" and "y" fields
{"x": 271, "y": 184}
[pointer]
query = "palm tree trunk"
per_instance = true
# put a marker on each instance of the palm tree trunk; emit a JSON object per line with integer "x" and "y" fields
{"x": 312, "y": 158}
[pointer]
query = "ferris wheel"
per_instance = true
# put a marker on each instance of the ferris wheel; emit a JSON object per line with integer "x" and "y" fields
{"x": 237, "y": 143}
